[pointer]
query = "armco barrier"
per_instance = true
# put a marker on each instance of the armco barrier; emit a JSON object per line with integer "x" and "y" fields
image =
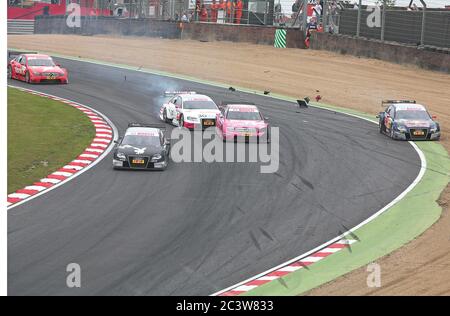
{"x": 438, "y": 59}
{"x": 20, "y": 27}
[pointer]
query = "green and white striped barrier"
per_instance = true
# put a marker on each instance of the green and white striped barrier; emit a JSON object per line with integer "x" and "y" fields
{"x": 280, "y": 38}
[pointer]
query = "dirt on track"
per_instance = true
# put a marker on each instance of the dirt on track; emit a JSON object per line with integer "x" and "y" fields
{"x": 420, "y": 268}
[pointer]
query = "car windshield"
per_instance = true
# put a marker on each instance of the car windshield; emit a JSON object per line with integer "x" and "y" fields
{"x": 412, "y": 115}
{"x": 244, "y": 115}
{"x": 142, "y": 141}
{"x": 199, "y": 105}
{"x": 40, "y": 62}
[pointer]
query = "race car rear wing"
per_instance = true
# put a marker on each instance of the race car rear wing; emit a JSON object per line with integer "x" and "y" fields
{"x": 155, "y": 125}
{"x": 14, "y": 53}
{"x": 174, "y": 93}
{"x": 384, "y": 102}
{"x": 225, "y": 103}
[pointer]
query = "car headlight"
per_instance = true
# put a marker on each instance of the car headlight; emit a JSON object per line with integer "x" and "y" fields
{"x": 434, "y": 127}
{"x": 156, "y": 157}
{"x": 402, "y": 128}
{"x": 36, "y": 73}
{"x": 121, "y": 156}
{"x": 263, "y": 130}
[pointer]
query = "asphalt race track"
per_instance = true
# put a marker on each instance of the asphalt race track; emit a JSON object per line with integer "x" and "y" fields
{"x": 197, "y": 227}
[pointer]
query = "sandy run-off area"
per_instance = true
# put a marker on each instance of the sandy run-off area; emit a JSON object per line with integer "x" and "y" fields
{"x": 421, "y": 267}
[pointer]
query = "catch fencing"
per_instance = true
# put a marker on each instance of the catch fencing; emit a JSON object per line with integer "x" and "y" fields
{"x": 420, "y": 26}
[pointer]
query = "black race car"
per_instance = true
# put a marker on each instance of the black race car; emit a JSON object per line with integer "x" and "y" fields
{"x": 144, "y": 147}
{"x": 407, "y": 120}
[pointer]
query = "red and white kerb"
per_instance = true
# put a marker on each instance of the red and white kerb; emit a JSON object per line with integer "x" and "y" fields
{"x": 289, "y": 268}
{"x": 103, "y": 138}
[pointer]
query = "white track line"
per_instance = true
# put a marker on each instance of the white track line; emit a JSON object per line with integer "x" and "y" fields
{"x": 112, "y": 133}
{"x": 304, "y": 256}
{"x": 324, "y": 245}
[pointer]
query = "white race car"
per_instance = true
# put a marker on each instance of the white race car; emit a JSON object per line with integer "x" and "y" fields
{"x": 190, "y": 110}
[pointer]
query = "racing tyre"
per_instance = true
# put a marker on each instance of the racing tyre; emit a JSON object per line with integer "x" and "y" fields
{"x": 181, "y": 121}
{"x": 27, "y": 77}
{"x": 163, "y": 169}
{"x": 165, "y": 116}
{"x": 391, "y": 133}
{"x": 10, "y": 75}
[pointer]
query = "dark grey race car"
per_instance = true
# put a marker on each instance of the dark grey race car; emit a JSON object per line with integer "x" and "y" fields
{"x": 143, "y": 147}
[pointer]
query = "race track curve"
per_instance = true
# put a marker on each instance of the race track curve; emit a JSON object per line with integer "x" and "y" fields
{"x": 197, "y": 227}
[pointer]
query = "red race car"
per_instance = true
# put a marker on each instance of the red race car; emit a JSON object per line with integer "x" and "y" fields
{"x": 36, "y": 68}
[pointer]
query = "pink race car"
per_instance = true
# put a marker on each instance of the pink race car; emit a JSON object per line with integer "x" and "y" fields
{"x": 244, "y": 121}
{"x": 36, "y": 68}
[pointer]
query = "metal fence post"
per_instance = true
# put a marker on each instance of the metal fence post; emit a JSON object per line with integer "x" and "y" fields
{"x": 383, "y": 21}
{"x": 305, "y": 15}
{"x": 325, "y": 16}
{"x": 266, "y": 12}
{"x": 422, "y": 34}
{"x": 358, "y": 22}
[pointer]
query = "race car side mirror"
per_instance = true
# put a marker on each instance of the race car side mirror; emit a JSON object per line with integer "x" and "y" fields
{"x": 59, "y": 65}
{"x": 434, "y": 117}
{"x": 266, "y": 118}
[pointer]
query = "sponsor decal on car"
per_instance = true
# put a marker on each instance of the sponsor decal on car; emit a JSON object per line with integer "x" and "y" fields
{"x": 246, "y": 109}
{"x": 137, "y": 151}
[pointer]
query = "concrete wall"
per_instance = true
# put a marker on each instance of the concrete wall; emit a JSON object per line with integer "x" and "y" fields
{"x": 105, "y": 25}
{"x": 240, "y": 33}
{"x": 154, "y": 28}
{"x": 392, "y": 52}
{"x": 226, "y": 32}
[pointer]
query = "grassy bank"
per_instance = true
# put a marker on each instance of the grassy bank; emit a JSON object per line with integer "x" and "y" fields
{"x": 43, "y": 136}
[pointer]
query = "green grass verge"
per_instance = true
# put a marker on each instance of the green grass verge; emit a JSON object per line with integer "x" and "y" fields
{"x": 43, "y": 136}
{"x": 407, "y": 219}
{"x": 397, "y": 226}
